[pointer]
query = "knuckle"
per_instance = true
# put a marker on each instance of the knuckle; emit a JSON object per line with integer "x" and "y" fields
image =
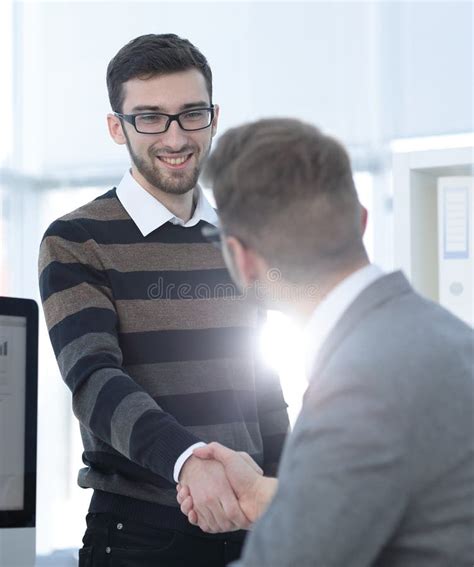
{"x": 208, "y": 500}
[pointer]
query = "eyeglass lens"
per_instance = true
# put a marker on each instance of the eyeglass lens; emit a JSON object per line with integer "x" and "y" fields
{"x": 155, "y": 123}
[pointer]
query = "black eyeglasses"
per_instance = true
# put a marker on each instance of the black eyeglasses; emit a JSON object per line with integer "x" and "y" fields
{"x": 158, "y": 122}
{"x": 213, "y": 234}
{"x": 216, "y": 236}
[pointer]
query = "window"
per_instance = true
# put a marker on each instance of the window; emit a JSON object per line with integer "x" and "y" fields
{"x": 6, "y": 72}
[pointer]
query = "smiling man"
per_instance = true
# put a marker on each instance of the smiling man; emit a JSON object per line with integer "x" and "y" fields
{"x": 159, "y": 358}
{"x": 166, "y": 166}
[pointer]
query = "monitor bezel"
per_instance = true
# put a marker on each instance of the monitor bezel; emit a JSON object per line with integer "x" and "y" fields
{"x": 16, "y": 307}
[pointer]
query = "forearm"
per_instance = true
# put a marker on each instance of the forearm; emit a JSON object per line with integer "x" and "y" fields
{"x": 83, "y": 322}
{"x": 133, "y": 424}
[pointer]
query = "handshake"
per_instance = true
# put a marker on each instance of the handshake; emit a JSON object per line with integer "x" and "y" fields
{"x": 221, "y": 490}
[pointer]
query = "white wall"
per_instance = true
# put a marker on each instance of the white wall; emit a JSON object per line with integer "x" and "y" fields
{"x": 303, "y": 59}
{"x": 364, "y": 71}
{"x": 426, "y": 72}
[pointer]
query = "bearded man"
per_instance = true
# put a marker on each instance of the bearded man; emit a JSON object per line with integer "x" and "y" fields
{"x": 150, "y": 333}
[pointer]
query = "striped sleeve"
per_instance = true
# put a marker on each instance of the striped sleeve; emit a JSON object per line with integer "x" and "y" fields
{"x": 83, "y": 327}
{"x": 272, "y": 415}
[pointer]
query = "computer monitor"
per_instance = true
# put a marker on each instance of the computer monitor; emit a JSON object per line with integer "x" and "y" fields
{"x": 18, "y": 413}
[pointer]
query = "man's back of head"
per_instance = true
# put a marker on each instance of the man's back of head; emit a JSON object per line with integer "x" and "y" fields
{"x": 285, "y": 189}
{"x": 379, "y": 467}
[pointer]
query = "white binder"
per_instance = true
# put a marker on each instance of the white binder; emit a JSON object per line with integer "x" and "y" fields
{"x": 456, "y": 245}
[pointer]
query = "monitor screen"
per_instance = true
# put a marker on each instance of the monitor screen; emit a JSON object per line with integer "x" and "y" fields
{"x": 12, "y": 411}
{"x": 18, "y": 411}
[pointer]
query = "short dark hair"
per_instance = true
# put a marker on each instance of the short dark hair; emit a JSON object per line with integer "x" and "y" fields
{"x": 286, "y": 190}
{"x": 150, "y": 55}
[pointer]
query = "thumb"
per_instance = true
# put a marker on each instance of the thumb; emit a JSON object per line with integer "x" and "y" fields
{"x": 215, "y": 451}
{"x": 205, "y": 453}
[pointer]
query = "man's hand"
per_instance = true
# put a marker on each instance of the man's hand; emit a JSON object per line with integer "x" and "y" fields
{"x": 215, "y": 505}
{"x": 245, "y": 476}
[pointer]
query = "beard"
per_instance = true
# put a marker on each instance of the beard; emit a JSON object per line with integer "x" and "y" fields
{"x": 173, "y": 182}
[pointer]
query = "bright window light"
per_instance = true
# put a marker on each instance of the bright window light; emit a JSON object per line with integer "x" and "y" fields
{"x": 59, "y": 202}
{"x": 68, "y": 501}
{"x": 281, "y": 343}
{"x": 6, "y": 72}
{"x": 433, "y": 143}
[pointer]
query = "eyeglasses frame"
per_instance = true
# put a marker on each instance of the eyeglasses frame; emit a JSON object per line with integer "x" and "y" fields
{"x": 131, "y": 119}
{"x": 213, "y": 234}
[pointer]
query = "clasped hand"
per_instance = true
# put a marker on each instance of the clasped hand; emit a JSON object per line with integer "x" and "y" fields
{"x": 217, "y": 489}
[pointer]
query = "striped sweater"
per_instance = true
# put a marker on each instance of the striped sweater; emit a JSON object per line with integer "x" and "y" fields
{"x": 159, "y": 352}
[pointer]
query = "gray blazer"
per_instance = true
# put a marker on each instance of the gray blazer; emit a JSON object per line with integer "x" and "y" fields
{"x": 379, "y": 470}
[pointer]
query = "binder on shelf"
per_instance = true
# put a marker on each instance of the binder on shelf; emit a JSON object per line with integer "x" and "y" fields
{"x": 456, "y": 245}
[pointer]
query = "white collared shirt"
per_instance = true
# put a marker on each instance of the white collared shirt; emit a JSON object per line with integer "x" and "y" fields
{"x": 149, "y": 214}
{"x": 330, "y": 310}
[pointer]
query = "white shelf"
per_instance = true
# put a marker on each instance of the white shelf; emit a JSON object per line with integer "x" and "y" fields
{"x": 415, "y": 174}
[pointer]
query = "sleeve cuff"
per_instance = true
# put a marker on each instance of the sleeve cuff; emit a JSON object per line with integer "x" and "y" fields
{"x": 183, "y": 458}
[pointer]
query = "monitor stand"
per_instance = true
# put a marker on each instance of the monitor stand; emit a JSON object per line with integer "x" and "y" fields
{"x": 17, "y": 547}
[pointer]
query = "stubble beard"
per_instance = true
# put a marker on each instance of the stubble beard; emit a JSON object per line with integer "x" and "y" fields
{"x": 172, "y": 182}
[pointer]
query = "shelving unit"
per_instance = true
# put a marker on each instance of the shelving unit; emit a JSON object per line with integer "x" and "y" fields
{"x": 415, "y": 174}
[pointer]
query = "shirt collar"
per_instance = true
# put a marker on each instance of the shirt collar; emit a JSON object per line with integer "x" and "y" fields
{"x": 149, "y": 214}
{"x": 330, "y": 310}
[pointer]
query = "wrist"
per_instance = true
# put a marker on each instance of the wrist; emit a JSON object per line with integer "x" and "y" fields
{"x": 183, "y": 458}
{"x": 186, "y": 469}
{"x": 265, "y": 488}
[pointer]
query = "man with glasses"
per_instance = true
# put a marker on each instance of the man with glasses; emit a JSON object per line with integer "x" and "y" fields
{"x": 151, "y": 336}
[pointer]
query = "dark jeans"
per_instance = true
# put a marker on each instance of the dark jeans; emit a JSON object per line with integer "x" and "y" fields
{"x": 110, "y": 541}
